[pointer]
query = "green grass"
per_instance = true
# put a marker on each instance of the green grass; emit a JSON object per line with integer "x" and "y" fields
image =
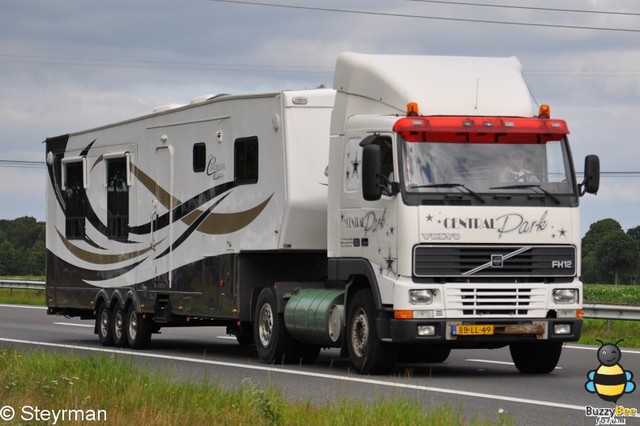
{"x": 130, "y": 396}
{"x": 607, "y": 330}
{"x": 608, "y": 293}
{"x": 22, "y": 297}
{"x": 610, "y": 332}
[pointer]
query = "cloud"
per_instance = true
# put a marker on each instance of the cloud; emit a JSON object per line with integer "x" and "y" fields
{"x": 71, "y": 65}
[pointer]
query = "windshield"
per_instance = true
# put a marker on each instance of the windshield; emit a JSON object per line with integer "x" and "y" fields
{"x": 486, "y": 167}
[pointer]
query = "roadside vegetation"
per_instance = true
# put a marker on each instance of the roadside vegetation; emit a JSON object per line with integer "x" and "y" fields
{"x": 127, "y": 395}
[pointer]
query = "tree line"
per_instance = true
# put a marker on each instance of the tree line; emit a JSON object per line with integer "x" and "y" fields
{"x": 22, "y": 247}
{"x": 609, "y": 254}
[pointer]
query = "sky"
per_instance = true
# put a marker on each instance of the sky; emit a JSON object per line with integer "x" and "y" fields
{"x": 69, "y": 65}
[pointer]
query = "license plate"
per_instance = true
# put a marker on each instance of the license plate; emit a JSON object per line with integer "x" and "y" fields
{"x": 472, "y": 330}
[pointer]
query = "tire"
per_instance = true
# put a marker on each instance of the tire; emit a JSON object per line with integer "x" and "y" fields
{"x": 430, "y": 354}
{"x": 436, "y": 354}
{"x": 368, "y": 354}
{"x": 243, "y": 333}
{"x": 536, "y": 357}
{"x": 273, "y": 342}
{"x": 119, "y": 326}
{"x": 138, "y": 329}
{"x": 104, "y": 325}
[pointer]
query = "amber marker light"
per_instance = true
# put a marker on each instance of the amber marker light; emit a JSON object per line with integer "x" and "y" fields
{"x": 403, "y": 314}
{"x": 579, "y": 313}
{"x": 545, "y": 111}
{"x": 412, "y": 109}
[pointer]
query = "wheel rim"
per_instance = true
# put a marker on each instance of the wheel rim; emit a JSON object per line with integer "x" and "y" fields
{"x": 265, "y": 325}
{"x": 133, "y": 325}
{"x": 359, "y": 332}
{"x": 117, "y": 320}
{"x": 104, "y": 323}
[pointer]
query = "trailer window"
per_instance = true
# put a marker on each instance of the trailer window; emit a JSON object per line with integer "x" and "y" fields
{"x": 117, "y": 199}
{"x": 73, "y": 187}
{"x": 199, "y": 157}
{"x": 246, "y": 160}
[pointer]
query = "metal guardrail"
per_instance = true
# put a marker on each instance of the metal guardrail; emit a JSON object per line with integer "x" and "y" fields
{"x": 591, "y": 310}
{"x": 611, "y": 312}
{"x": 20, "y": 284}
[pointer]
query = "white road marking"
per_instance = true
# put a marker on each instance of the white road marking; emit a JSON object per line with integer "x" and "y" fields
{"x": 488, "y": 361}
{"x": 272, "y": 369}
{"x": 227, "y": 337}
{"x": 2, "y": 305}
{"x": 70, "y": 324}
{"x": 595, "y": 348}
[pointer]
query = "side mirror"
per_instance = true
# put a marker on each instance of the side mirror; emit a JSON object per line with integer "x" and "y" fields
{"x": 591, "y": 182}
{"x": 371, "y": 170}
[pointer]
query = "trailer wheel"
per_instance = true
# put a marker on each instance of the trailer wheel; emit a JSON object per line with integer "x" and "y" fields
{"x": 104, "y": 325}
{"x": 138, "y": 329}
{"x": 119, "y": 325}
{"x": 368, "y": 354}
{"x": 536, "y": 357}
{"x": 272, "y": 340}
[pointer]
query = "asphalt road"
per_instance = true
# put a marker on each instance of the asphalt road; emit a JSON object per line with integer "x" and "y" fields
{"x": 481, "y": 382}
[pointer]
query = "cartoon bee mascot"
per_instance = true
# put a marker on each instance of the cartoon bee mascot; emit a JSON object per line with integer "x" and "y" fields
{"x": 610, "y": 381}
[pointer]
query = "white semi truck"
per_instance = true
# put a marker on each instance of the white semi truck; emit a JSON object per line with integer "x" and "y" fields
{"x": 424, "y": 204}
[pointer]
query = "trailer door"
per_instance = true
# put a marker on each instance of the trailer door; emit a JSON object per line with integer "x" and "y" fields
{"x": 162, "y": 216}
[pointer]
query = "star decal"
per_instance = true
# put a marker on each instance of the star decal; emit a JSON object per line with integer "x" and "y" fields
{"x": 390, "y": 261}
{"x": 354, "y": 167}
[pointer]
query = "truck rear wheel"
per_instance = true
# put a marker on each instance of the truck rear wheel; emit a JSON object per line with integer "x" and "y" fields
{"x": 104, "y": 325}
{"x": 368, "y": 354}
{"x": 535, "y": 357}
{"x": 273, "y": 342}
{"x": 138, "y": 329}
{"x": 119, "y": 325}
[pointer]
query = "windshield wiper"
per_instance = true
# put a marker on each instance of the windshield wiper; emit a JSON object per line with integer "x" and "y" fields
{"x": 450, "y": 185}
{"x": 530, "y": 186}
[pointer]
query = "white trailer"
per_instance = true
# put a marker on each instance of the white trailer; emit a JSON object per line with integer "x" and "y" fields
{"x": 371, "y": 217}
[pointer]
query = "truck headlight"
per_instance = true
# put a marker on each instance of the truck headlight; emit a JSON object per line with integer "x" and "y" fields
{"x": 565, "y": 296}
{"x": 421, "y": 297}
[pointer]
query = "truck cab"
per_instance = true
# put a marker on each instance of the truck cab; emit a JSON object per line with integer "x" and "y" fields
{"x": 458, "y": 223}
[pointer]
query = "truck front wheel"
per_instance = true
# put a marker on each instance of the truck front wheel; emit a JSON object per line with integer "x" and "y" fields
{"x": 536, "y": 357}
{"x": 273, "y": 342}
{"x": 368, "y": 354}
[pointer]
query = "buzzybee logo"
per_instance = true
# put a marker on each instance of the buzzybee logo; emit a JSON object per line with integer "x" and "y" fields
{"x": 610, "y": 381}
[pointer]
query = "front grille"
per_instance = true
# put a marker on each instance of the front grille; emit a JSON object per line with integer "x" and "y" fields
{"x": 483, "y": 261}
{"x": 494, "y": 301}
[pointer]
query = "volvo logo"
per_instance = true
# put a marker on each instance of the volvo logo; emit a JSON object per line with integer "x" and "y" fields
{"x": 497, "y": 261}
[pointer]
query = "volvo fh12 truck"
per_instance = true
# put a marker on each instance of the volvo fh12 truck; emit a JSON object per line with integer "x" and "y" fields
{"x": 423, "y": 204}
